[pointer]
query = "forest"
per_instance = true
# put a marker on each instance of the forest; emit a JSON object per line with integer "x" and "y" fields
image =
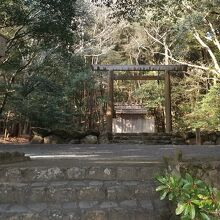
{"x": 46, "y": 78}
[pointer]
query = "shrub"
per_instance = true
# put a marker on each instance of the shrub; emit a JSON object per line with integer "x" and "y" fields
{"x": 194, "y": 199}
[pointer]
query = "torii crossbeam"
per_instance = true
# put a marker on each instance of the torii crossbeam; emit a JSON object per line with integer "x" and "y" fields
{"x": 139, "y": 67}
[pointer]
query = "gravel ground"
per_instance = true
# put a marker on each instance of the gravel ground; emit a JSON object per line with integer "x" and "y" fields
{"x": 113, "y": 152}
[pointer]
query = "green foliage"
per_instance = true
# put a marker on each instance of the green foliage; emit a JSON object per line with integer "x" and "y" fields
{"x": 44, "y": 77}
{"x": 42, "y": 80}
{"x": 12, "y": 13}
{"x": 51, "y": 100}
{"x": 151, "y": 93}
{"x": 128, "y": 9}
{"x": 207, "y": 112}
{"x": 56, "y": 21}
{"x": 193, "y": 198}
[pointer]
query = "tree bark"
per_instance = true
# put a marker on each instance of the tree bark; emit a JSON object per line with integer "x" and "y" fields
{"x": 167, "y": 93}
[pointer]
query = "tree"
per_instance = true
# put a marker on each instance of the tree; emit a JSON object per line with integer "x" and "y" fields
{"x": 43, "y": 37}
{"x": 187, "y": 32}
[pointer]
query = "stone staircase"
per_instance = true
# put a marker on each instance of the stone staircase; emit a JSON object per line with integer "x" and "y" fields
{"x": 147, "y": 138}
{"x": 41, "y": 190}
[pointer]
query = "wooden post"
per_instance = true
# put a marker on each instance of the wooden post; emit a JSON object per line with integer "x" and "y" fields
{"x": 168, "y": 103}
{"x": 110, "y": 106}
{"x": 198, "y": 136}
{"x": 167, "y": 93}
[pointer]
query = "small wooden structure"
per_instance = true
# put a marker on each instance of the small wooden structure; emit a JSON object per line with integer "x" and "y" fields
{"x": 132, "y": 118}
{"x": 167, "y": 69}
{"x": 3, "y": 45}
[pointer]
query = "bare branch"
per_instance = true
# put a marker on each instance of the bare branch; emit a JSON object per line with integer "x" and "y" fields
{"x": 216, "y": 41}
{"x": 155, "y": 39}
{"x": 203, "y": 44}
{"x": 188, "y": 64}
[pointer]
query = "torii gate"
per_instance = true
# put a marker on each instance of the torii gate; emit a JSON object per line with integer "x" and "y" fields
{"x": 167, "y": 69}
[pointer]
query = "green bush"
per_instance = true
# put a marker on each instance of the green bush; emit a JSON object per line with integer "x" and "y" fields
{"x": 206, "y": 114}
{"x": 193, "y": 198}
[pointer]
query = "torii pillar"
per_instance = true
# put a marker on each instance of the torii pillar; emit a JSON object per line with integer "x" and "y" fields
{"x": 110, "y": 103}
{"x": 167, "y": 91}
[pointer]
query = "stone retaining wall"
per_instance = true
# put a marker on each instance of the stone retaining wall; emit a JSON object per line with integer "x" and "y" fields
{"x": 208, "y": 171}
{"x": 207, "y": 138}
{"x": 81, "y": 193}
{"x": 90, "y": 192}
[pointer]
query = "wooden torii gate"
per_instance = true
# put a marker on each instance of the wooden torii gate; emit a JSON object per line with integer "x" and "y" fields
{"x": 167, "y": 69}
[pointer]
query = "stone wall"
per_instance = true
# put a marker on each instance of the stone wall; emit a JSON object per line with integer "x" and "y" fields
{"x": 52, "y": 189}
{"x": 205, "y": 170}
{"x": 59, "y": 136}
{"x": 81, "y": 193}
{"x": 208, "y": 171}
{"x": 207, "y": 137}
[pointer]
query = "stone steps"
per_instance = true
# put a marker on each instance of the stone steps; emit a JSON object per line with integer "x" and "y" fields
{"x": 143, "y": 134}
{"x": 86, "y": 192}
{"x": 124, "y": 137}
{"x": 147, "y": 139}
{"x": 68, "y": 212}
{"x": 146, "y": 142}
